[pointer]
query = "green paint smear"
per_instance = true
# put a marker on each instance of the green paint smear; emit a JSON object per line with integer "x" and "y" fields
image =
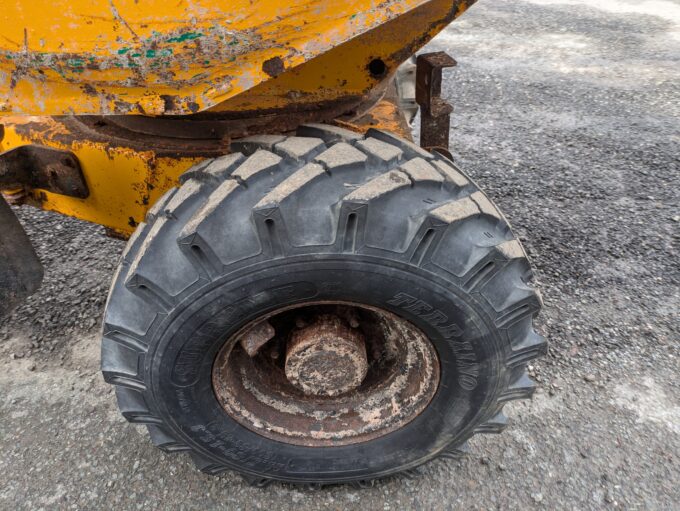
{"x": 78, "y": 64}
{"x": 185, "y": 37}
{"x": 123, "y": 51}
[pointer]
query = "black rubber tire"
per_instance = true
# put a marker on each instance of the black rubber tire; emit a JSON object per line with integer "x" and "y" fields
{"x": 325, "y": 215}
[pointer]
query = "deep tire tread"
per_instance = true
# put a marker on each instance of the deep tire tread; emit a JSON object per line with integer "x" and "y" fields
{"x": 391, "y": 170}
{"x": 164, "y": 440}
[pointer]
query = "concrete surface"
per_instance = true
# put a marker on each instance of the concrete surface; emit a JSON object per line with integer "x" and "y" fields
{"x": 567, "y": 114}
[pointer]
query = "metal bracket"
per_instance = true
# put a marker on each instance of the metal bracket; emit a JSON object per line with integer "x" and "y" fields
{"x": 35, "y": 166}
{"x": 435, "y": 112}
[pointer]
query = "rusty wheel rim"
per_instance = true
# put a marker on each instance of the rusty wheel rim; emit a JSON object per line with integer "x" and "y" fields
{"x": 326, "y": 374}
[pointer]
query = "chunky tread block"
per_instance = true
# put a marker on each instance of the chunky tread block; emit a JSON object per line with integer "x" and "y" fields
{"x": 489, "y": 263}
{"x": 380, "y": 152}
{"x": 420, "y": 170}
{"x": 495, "y": 424}
{"x": 258, "y": 163}
{"x": 527, "y": 349}
{"x": 328, "y": 133}
{"x": 410, "y": 149}
{"x": 474, "y": 231}
{"x": 521, "y": 305}
{"x": 133, "y": 245}
{"x": 220, "y": 168}
{"x": 191, "y": 173}
{"x": 299, "y": 148}
{"x": 506, "y": 290}
{"x": 125, "y": 338}
{"x": 121, "y": 362}
{"x": 455, "y": 453}
{"x": 216, "y": 170}
{"x": 206, "y": 465}
{"x": 292, "y": 185}
{"x": 163, "y": 439}
{"x": 381, "y": 185}
{"x": 341, "y": 156}
{"x": 134, "y": 407}
{"x": 203, "y": 214}
{"x": 451, "y": 173}
{"x": 159, "y": 206}
{"x": 475, "y": 204}
{"x": 522, "y": 387}
{"x": 249, "y": 145}
{"x": 146, "y": 272}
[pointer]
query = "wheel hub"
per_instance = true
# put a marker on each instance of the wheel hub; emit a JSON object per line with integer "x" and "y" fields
{"x": 326, "y": 374}
{"x": 326, "y": 358}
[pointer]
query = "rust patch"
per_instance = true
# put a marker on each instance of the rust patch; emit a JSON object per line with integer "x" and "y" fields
{"x": 273, "y": 67}
{"x": 326, "y": 358}
{"x": 35, "y": 166}
{"x": 256, "y": 337}
{"x": 434, "y": 110}
{"x": 401, "y": 378}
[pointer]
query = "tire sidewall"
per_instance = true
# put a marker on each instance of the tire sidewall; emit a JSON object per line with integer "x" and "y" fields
{"x": 186, "y": 343}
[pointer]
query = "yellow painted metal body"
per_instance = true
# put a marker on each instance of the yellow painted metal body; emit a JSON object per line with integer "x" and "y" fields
{"x": 123, "y": 182}
{"x": 215, "y": 58}
{"x": 157, "y": 57}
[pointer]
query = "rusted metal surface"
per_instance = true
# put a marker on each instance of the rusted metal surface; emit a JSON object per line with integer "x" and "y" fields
{"x": 386, "y": 114}
{"x": 256, "y": 337}
{"x": 326, "y": 358}
{"x": 401, "y": 378}
{"x": 216, "y": 129}
{"x": 35, "y": 166}
{"x": 20, "y": 269}
{"x": 435, "y": 112}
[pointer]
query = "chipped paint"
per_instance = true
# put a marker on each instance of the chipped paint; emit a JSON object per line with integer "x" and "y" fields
{"x": 56, "y": 60}
{"x": 121, "y": 58}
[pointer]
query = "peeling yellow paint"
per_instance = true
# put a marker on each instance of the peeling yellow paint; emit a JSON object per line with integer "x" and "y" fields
{"x": 123, "y": 182}
{"x": 154, "y": 58}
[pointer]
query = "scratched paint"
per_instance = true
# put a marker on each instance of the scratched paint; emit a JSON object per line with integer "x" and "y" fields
{"x": 128, "y": 57}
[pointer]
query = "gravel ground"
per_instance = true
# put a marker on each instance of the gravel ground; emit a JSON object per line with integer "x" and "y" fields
{"x": 567, "y": 114}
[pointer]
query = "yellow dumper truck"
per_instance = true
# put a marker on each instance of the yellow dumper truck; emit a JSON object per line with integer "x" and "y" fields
{"x": 306, "y": 294}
